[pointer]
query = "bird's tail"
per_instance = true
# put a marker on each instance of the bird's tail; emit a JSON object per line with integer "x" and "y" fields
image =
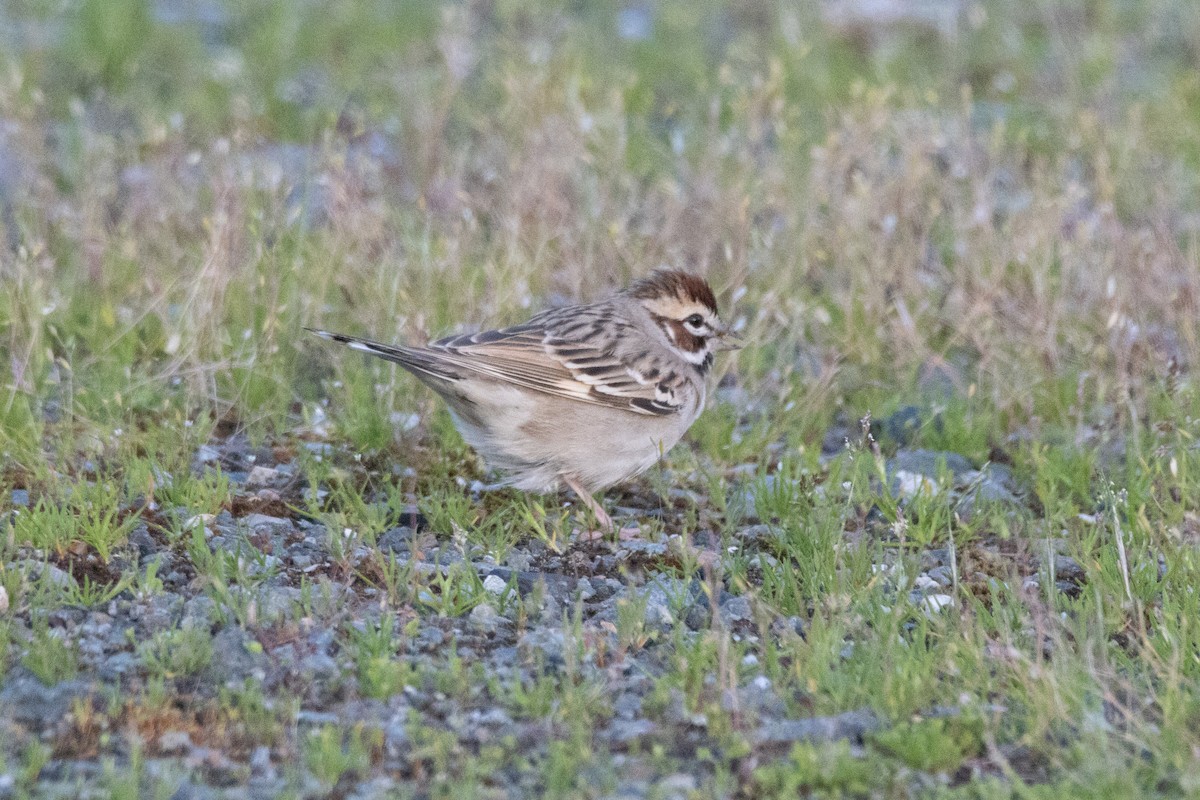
{"x": 418, "y": 360}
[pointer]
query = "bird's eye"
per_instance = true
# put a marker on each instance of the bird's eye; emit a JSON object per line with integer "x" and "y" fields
{"x": 694, "y": 321}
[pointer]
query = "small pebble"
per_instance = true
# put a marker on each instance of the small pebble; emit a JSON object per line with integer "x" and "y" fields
{"x": 938, "y": 602}
{"x": 495, "y": 584}
{"x": 174, "y": 742}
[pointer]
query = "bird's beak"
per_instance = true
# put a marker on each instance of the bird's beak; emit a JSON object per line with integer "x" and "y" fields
{"x": 728, "y": 340}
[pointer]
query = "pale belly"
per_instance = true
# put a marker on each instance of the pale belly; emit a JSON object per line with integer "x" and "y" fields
{"x": 534, "y": 443}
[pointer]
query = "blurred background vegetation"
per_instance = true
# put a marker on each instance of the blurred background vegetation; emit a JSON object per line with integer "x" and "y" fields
{"x": 286, "y": 70}
{"x": 1001, "y": 193}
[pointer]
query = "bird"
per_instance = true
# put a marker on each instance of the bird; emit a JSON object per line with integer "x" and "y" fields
{"x": 582, "y": 396}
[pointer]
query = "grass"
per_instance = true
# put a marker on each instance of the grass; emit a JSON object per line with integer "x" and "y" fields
{"x": 182, "y": 652}
{"x": 90, "y": 515}
{"x": 380, "y": 673}
{"x": 330, "y": 754}
{"x": 48, "y": 657}
{"x": 976, "y": 232}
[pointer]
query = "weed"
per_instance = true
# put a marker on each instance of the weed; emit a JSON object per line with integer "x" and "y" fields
{"x": 88, "y": 594}
{"x": 88, "y": 513}
{"x": 254, "y": 718}
{"x": 452, "y": 591}
{"x": 935, "y": 745}
{"x": 331, "y": 753}
{"x": 178, "y": 653}
{"x": 49, "y": 657}
{"x": 381, "y": 671}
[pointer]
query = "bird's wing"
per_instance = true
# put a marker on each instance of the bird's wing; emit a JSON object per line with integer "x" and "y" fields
{"x": 569, "y": 360}
{"x": 573, "y": 359}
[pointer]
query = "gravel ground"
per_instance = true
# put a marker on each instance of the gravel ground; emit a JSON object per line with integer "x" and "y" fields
{"x": 540, "y": 613}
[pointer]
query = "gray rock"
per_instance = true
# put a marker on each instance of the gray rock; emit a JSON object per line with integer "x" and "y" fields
{"x": 928, "y": 463}
{"x": 625, "y": 731}
{"x": 495, "y": 584}
{"x": 238, "y": 657}
{"x": 647, "y": 549}
{"x": 627, "y": 705}
{"x": 117, "y": 666}
{"x": 1070, "y": 570}
{"x": 546, "y": 639}
{"x": 260, "y": 763}
{"x": 736, "y": 609}
{"x": 758, "y": 535}
{"x": 174, "y": 742}
{"x": 395, "y": 735}
{"x": 193, "y": 791}
{"x": 661, "y": 595}
{"x": 760, "y": 697}
{"x": 935, "y": 557}
{"x": 263, "y": 477}
{"x": 994, "y": 485}
{"x": 485, "y": 617}
{"x": 276, "y": 603}
{"x": 269, "y": 524}
{"x": 36, "y": 571}
{"x": 787, "y": 626}
{"x": 942, "y": 576}
{"x": 678, "y": 786}
{"x": 19, "y": 498}
{"x": 395, "y": 540}
{"x": 319, "y": 666}
{"x": 900, "y": 426}
{"x": 852, "y": 725}
{"x": 316, "y": 718}
{"x": 28, "y": 701}
{"x": 698, "y": 617}
{"x": 430, "y": 639}
{"x": 198, "y": 612}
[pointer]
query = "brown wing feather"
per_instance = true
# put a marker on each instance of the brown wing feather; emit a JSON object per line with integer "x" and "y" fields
{"x": 572, "y": 357}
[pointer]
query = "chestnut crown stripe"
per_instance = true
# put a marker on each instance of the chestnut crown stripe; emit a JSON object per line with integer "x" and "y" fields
{"x": 667, "y": 283}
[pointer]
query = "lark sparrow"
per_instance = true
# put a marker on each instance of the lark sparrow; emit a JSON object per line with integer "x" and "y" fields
{"x": 586, "y": 395}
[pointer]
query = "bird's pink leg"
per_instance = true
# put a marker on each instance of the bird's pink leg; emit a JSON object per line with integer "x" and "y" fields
{"x": 604, "y": 523}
